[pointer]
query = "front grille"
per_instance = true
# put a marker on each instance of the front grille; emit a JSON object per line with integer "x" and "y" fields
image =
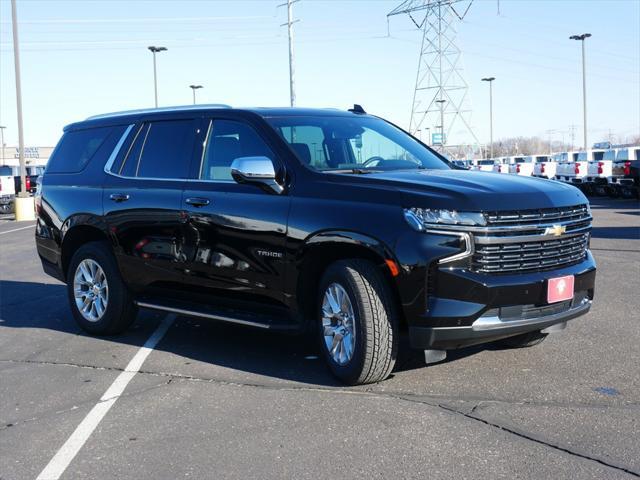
{"x": 513, "y": 257}
{"x": 545, "y": 215}
{"x": 517, "y": 241}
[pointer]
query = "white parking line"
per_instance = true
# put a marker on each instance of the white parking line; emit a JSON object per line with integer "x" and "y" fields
{"x": 61, "y": 460}
{"x": 17, "y": 229}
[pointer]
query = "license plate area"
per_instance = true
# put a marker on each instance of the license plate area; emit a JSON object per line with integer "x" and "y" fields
{"x": 560, "y": 289}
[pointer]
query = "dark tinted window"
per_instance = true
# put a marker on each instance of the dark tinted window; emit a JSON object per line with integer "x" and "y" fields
{"x": 130, "y": 165}
{"x": 166, "y": 149}
{"x": 76, "y": 148}
{"x": 228, "y": 140}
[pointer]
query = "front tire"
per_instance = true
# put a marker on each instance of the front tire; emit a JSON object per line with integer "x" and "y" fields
{"x": 100, "y": 301}
{"x": 357, "y": 322}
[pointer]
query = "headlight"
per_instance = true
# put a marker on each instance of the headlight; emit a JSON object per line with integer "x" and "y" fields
{"x": 424, "y": 218}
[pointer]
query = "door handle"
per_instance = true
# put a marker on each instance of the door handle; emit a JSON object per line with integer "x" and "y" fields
{"x": 119, "y": 197}
{"x": 197, "y": 201}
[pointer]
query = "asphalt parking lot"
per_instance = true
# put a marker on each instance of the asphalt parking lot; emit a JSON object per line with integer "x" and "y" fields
{"x": 216, "y": 401}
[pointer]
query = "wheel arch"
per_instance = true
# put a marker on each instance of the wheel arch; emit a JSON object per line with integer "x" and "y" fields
{"x": 77, "y": 231}
{"x": 323, "y": 249}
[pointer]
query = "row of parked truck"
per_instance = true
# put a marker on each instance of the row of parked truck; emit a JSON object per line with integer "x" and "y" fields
{"x": 613, "y": 172}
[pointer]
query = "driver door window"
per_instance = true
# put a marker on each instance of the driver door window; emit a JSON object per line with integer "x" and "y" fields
{"x": 226, "y": 141}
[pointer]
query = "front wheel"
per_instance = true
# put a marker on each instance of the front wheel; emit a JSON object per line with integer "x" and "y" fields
{"x": 358, "y": 325}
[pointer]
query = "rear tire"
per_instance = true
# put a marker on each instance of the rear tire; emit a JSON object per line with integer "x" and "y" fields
{"x": 94, "y": 283}
{"x": 530, "y": 339}
{"x": 6, "y": 208}
{"x": 360, "y": 323}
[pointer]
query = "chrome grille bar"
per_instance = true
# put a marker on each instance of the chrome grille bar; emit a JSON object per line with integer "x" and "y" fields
{"x": 520, "y": 241}
{"x": 543, "y": 215}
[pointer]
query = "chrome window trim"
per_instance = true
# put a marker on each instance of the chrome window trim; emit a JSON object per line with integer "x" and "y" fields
{"x": 116, "y": 149}
{"x": 126, "y": 155}
{"x": 144, "y": 142}
{"x": 205, "y": 146}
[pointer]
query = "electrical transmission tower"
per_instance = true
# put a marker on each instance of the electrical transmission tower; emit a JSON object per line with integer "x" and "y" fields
{"x": 440, "y": 99}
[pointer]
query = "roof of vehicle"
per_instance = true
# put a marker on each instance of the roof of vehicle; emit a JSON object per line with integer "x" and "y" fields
{"x": 133, "y": 115}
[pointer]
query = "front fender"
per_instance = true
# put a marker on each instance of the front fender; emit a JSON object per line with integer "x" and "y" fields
{"x": 347, "y": 237}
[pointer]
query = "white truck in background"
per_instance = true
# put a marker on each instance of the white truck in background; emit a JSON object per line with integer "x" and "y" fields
{"x": 546, "y": 167}
{"x": 7, "y": 190}
{"x": 600, "y": 172}
{"x": 485, "y": 165}
{"x": 502, "y": 164}
{"x": 524, "y": 165}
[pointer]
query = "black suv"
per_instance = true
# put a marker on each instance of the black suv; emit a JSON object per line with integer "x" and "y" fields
{"x": 307, "y": 220}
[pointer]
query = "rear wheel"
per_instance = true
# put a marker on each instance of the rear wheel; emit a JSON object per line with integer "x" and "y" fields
{"x": 6, "y": 207}
{"x": 99, "y": 299}
{"x": 358, "y": 325}
{"x": 530, "y": 339}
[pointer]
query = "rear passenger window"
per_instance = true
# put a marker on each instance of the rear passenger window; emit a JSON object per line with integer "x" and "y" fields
{"x": 160, "y": 150}
{"x": 77, "y": 148}
{"x": 130, "y": 165}
{"x": 228, "y": 140}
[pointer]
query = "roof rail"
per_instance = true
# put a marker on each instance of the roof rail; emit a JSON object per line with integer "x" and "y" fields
{"x": 159, "y": 110}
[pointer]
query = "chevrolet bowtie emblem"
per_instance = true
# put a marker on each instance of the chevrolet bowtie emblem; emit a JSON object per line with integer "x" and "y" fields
{"x": 555, "y": 230}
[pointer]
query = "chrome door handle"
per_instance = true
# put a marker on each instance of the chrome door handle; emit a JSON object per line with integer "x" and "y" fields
{"x": 197, "y": 201}
{"x": 119, "y": 197}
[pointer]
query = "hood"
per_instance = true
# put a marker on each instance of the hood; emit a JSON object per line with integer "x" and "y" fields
{"x": 475, "y": 191}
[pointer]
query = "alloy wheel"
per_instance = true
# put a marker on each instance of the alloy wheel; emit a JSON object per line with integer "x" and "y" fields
{"x": 91, "y": 290}
{"x": 338, "y": 324}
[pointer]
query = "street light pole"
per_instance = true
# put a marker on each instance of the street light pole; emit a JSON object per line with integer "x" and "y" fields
{"x": 194, "y": 88}
{"x": 16, "y": 60}
{"x": 155, "y": 50}
{"x": 2, "y": 127}
{"x": 582, "y": 38}
{"x": 490, "y": 80}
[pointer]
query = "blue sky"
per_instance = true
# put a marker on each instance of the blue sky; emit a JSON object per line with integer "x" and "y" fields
{"x": 85, "y": 57}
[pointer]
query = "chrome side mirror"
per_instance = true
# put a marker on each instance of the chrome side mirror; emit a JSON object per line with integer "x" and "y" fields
{"x": 256, "y": 171}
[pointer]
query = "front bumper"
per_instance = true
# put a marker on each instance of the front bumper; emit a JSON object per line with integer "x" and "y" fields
{"x": 489, "y": 328}
{"x": 467, "y": 308}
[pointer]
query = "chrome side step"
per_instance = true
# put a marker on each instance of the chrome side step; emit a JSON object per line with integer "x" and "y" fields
{"x": 194, "y": 313}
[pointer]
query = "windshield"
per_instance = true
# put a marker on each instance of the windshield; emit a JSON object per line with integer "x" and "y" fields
{"x": 328, "y": 143}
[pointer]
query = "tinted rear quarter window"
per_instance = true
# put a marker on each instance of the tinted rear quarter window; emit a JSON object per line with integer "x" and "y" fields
{"x": 76, "y": 148}
{"x": 166, "y": 150}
